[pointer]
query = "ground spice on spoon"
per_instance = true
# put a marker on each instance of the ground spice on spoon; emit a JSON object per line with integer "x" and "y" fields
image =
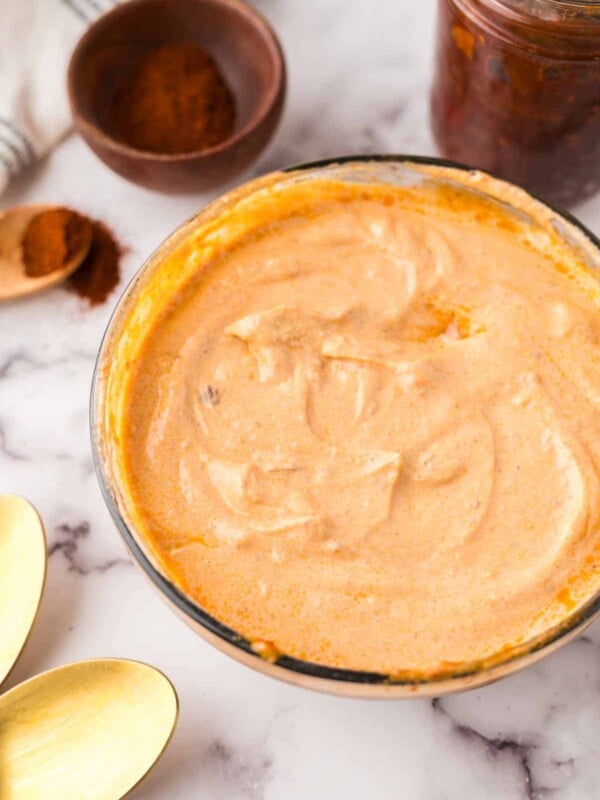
{"x": 175, "y": 101}
{"x": 51, "y": 239}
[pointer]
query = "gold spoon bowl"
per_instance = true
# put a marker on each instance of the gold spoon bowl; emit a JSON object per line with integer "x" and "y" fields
{"x": 22, "y": 577}
{"x": 89, "y": 730}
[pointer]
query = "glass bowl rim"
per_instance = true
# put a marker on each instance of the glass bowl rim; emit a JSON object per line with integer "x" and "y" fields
{"x": 481, "y": 671}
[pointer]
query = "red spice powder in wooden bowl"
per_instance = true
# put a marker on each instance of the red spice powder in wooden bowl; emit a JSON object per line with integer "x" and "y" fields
{"x": 175, "y": 101}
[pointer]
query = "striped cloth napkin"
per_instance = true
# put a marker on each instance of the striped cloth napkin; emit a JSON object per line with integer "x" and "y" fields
{"x": 36, "y": 40}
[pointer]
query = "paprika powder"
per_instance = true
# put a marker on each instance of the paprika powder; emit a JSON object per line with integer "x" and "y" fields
{"x": 52, "y": 239}
{"x": 99, "y": 273}
{"x": 175, "y": 101}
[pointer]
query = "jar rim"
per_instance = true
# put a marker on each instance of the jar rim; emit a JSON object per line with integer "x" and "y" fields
{"x": 569, "y": 12}
{"x": 556, "y": 29}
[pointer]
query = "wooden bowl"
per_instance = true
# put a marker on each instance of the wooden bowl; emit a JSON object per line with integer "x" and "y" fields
{"x": 246, "y": 51}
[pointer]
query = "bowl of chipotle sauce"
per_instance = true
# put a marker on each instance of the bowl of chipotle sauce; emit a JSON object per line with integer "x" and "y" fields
{"x": 345, "y": 419}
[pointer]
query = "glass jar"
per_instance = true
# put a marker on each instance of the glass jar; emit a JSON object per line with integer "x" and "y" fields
{"x": 517, "y": 92}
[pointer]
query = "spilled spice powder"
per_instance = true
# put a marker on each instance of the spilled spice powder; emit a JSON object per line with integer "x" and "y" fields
{"x": 51, "y": 240}
{"x": 99, "y": 273}
{"x": 176, "y": 101}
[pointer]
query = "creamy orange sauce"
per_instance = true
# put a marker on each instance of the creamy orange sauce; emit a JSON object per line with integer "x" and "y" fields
{"x": 368, "y": 433}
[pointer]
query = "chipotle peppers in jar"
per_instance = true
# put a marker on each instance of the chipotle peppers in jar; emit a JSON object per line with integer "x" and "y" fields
{"x": 517, "y": 92}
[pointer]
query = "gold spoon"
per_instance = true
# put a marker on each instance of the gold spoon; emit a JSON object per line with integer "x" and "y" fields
{"x": 93, "y": 729}
{"x": 14, "y": 281}
{"x": 22, "y": 577}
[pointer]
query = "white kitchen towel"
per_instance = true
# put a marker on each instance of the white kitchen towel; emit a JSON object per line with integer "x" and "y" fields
{"x": 36, "y": 41}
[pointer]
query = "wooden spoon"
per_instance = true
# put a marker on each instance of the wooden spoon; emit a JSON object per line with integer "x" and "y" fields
{"x": 22, "y": 577}
{"x": 14, "y": 281}
{"x": 89, "y": 730}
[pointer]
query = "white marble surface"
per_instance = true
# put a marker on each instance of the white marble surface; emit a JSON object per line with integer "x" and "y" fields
{"x": 241, "y": 735}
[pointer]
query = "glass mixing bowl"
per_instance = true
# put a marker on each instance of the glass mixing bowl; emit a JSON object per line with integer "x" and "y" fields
{"x": 127, "y": 322}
